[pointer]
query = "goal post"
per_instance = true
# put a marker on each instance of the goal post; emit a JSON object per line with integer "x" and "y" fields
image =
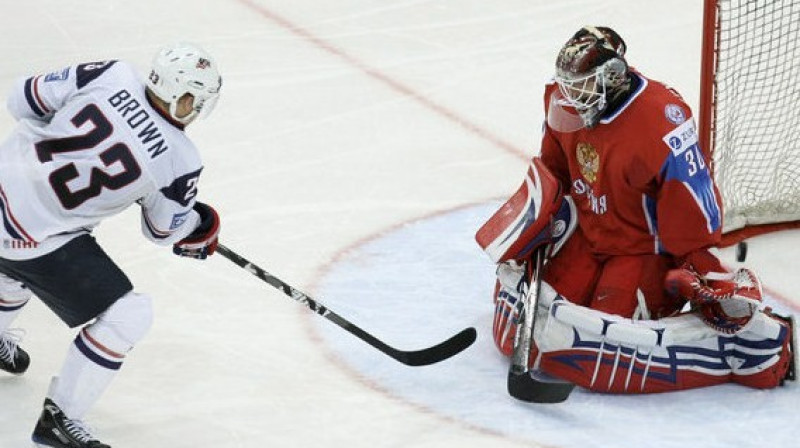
{"x": 749, "y": 114}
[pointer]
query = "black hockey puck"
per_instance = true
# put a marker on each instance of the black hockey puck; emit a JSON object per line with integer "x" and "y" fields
{"x": 741, "y": 251}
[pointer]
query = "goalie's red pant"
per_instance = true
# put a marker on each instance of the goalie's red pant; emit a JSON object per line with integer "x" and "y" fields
{"x": 610, "y": 285}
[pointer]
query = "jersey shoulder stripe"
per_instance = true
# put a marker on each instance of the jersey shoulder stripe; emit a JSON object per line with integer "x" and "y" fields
{"x": 33, "y": 98}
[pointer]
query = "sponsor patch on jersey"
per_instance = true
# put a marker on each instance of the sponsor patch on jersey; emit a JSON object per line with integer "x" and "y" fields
{"x": 682, "y": 137}
{"x": 178, "y": 220}
{"x": 588, "y": 160}
{"x": 674, "y": 113}
{"x": 57, "y": 76}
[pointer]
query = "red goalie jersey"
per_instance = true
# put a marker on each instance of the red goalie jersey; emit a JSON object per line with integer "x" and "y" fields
{"x": 645, "y": 197}
{"x": 640, "y": 180}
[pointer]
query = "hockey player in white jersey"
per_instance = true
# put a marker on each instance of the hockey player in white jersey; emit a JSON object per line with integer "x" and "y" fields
{"x": 92, "y": 140}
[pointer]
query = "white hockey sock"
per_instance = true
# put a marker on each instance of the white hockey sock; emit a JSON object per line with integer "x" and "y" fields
{"x": 97, "y": 353}
{"x": 9, "y": 310}
{"x": 87, "y": 371}
{"x": 13, "y": 296}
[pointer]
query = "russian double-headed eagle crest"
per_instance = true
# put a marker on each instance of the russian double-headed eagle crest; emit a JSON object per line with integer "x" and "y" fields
{"x": 589, "y": 161}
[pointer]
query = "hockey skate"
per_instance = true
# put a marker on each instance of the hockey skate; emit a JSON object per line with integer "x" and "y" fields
{"x": 13, "y": 359}
{"x": 54, "y": 429}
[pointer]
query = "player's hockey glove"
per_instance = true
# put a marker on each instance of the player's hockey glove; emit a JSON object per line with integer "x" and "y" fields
{"x": 202, "y": 242}
{"x": 726, "y": 301}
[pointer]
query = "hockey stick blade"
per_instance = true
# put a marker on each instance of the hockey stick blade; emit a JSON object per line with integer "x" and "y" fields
{"x": 439, "y": 352}
{"x": 525, "y": 386}
{"x": 415, "y": 358}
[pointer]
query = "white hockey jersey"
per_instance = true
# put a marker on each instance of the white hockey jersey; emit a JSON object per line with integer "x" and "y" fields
{"x": 87, "y": 146}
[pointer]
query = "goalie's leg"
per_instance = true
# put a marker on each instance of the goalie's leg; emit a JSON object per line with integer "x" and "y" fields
{"x": 607, "y": 353}
{"x": 764, "y": 324}
{"x": 573, "y": 270}
{"x": 509, "y": 289}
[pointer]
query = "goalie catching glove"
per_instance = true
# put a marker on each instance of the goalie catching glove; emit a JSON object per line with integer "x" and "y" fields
{"x": 726, "y": 301}
{"x": 202, "y": 242}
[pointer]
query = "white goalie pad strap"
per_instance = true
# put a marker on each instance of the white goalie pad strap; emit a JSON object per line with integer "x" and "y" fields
{"x": 547, "y": 295}
{"x": 615, "y": 329}
{"x": 682, "y": 329}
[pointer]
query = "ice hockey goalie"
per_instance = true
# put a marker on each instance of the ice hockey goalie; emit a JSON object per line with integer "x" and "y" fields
{"x": 623, "y": 198}
{"x": 724, "y": 333}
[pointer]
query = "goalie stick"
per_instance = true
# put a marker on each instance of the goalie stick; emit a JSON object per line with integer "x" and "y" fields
{"x": 423, "y": 357}
{"x": 524, "y": 383}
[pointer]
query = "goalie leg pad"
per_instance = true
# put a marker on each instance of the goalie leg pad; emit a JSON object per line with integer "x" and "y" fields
{"x": 771, "y": 373}
{"x": 508, "y": 300}
{"x": 507, "y": 307}
{"x": 607, "y": 353}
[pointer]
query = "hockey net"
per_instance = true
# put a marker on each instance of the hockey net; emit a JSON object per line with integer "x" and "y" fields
{"x": 750, "y": 111}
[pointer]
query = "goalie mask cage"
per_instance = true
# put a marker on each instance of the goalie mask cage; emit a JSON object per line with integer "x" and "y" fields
{"x": 750, "y": 112}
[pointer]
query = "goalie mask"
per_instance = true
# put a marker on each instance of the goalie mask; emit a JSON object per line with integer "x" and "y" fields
{"x": 591, "y": 71}
{"x": 185, "y": 68}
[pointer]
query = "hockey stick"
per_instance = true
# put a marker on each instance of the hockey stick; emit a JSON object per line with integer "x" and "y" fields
{"x": 430, "y": 355}
{"x": 524, "y": 383}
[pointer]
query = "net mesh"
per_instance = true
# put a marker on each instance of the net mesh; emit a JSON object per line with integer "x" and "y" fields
{"x": 757, "y": 111}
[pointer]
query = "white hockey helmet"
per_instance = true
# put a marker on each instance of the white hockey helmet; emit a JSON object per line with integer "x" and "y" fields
{"x": 185, "y": 68}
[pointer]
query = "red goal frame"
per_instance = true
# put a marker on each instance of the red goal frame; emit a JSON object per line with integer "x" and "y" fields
{"x": 706, "y": 118}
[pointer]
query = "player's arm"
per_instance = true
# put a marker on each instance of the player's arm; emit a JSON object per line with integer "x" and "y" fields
{"x": 192, "y": 232}
{"x": 687, "y": 208}
{"x": 168, "y": 214}
{"x": 166, "y": 222}
{"x": 38, "y": 97}
{"x": 689, "y": 224}
{"x": 171, "y": 215}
